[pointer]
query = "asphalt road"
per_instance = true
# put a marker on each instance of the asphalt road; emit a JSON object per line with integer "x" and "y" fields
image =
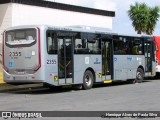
{"x": 111, "y": 97}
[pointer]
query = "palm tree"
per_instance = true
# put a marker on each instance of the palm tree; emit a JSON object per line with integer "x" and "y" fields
{"x": 139, "y": 13}
{"x": 143, "y": 18}
{"x": 152, "y": 20}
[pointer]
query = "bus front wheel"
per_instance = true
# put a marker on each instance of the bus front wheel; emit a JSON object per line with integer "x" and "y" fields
{"x": 139, "y": 75}
{"x": 88, "y": 80}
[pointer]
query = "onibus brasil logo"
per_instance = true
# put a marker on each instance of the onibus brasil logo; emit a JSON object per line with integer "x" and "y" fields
{"x": 7, "y": 115}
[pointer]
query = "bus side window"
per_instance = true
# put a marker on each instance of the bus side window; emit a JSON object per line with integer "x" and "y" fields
{"x": 51, "y": 44}
{"x": 135, "y": 50}
{"x": 93, "y": 46}
{"x": 81, "y": 46}
{"x": 119, "y": 48}
{"x": 78, "y": 46}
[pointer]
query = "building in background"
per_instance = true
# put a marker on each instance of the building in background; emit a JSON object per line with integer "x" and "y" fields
{"x": 32, "y": 12}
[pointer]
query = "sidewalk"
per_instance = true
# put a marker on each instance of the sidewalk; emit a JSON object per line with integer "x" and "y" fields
{"x": 7, "y": 87}
{"x": 1, "y": 78}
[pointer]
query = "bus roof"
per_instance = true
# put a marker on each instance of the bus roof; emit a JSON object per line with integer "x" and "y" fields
{"x": 67, "y": 28}
{"x": 79, "y": 28}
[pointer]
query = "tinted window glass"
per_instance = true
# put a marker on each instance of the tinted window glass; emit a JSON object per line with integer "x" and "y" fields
{"x": 21, "y": 37}
{"x": 87, "y": 44}
{"x": 128, "y": 45}
{"x": 51, "y": 42}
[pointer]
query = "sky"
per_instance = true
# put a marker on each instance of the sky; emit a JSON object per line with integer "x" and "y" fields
{"x": 121, "y": 22}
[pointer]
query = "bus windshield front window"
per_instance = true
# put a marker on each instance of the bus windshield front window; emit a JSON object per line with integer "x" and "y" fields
{"x": 21, "y": 37}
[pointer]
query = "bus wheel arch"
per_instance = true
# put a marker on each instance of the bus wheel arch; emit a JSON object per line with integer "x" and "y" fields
{"x": 141, "y": 67}
{"x": 88, "y": 78}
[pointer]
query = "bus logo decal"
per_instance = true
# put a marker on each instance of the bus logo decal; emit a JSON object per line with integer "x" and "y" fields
{"x": 97, "y": 61}
{"x": 115, "y": 59}
{"x": 29, "y": 57}
{"x": 6, "y": 115}
{"x": 10, "y": 64}
{"x": 129, "y": 58}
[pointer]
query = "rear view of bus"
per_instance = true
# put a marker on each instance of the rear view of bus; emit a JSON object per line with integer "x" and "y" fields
{"x": 21, "y": 55}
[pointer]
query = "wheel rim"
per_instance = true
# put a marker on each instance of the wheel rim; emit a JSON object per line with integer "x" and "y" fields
{"x": 139, "y": 75}
{"x": 88, "y": 80}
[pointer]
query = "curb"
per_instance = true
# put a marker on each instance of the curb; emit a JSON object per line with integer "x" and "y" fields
{"x": 8, "y": 87}
{"x": 1, "y": 78}
{"x": 4, "y": 84}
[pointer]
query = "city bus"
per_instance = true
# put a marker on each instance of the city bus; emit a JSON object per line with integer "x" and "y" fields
{"x": 157, "y": 42}
{"x": 77, "y": 56}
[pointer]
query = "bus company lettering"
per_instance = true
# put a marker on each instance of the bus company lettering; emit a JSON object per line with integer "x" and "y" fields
{"x": 129, "y": 58}
{"x": 97, "y": 61}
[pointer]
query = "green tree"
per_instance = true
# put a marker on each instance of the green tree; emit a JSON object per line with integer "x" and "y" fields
{"x": 144, "y": 18}
{"x": 152, "y": 20}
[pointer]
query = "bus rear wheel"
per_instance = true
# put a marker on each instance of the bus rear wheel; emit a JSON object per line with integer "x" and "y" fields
{"x": 139, "y": 75}
{"x": 88, "y": 80}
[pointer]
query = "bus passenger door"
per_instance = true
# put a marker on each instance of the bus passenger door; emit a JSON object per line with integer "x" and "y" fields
{"x": 65, "y": 60}
{"x": 148, "y": 56}
{"x": 107, "y": 60}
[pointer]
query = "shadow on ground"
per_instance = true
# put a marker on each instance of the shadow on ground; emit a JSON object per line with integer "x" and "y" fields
{"x": 57, "y": 90}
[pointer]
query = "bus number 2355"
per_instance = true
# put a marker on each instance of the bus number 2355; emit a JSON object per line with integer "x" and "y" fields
{"x": 51, "y": 61}
{"x": 15, "y": 54}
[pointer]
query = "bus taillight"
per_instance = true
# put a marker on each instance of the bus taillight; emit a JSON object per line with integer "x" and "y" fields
{"x": 3, "y": 62}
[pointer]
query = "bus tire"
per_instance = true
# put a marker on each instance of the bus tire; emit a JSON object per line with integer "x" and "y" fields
{"x": 88, "y": 80}
{"x": 139, "y": 75}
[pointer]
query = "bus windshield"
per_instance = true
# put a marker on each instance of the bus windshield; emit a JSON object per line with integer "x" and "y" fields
{"x": 20, "y": 37}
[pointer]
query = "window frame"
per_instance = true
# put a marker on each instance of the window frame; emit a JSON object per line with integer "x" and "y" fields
{"x": 51, "y": 32}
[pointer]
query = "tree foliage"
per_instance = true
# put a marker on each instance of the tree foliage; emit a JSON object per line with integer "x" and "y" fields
{"x": 144, "y": 18}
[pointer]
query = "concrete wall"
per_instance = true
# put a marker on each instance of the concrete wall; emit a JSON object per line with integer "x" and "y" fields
{"x": 26, "y": 15}
{"x": 5, "y": 22}
{"x": 13, "y": 14}
{"x": 5, "y": 18}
